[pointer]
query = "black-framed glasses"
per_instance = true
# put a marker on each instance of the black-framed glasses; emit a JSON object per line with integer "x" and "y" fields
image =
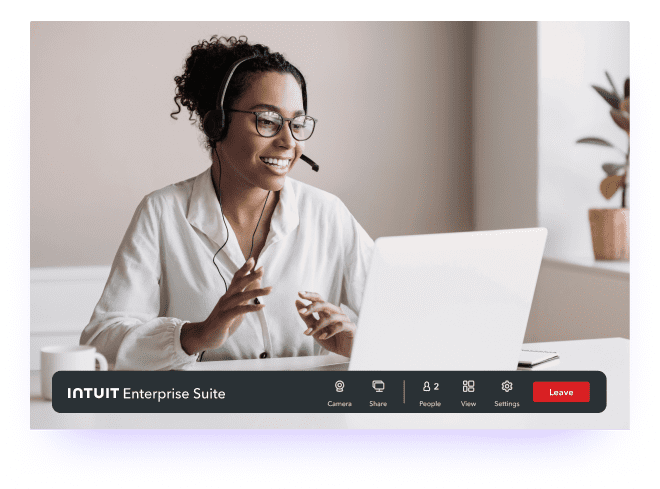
{"x": 269, "y": 124}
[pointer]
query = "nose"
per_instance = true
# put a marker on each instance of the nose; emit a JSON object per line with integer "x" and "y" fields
{"x": 285, "y": 136}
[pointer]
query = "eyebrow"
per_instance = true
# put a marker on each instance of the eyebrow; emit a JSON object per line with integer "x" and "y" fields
{"x": 276, "y": 109}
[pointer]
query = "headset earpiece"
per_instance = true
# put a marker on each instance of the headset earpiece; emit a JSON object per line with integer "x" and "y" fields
{"x": 213, "y": 124}
{"x": 214, "y": 120}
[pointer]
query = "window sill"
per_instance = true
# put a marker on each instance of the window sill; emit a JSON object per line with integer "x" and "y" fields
{"x": 589, "y": 263}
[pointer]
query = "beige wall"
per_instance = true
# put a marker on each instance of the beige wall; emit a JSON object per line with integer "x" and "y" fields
{"x": 393, "y": 141}
{"x": 505, "y": 132}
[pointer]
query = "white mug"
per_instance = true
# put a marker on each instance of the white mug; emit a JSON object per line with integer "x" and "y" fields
{"x": 56, "y": 358}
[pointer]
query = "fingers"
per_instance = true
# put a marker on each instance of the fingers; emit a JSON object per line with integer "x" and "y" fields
{"x": 247, "y": 295}
{"x": 311, "y": 296}
{"x": 256, "y": 283}
{"x": 245, "y": 269}
{"x": 239, "y": 310}
{"x": 302, "y": 310}
{"x": 320, "y": 307}
{"x": 241, "y": 281}
{"x": 330, "y": 323}
{"x": 331, "y": 330}
{"x": 323, "y": 323}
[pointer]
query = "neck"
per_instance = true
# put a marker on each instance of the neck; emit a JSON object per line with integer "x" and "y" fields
{"x": 241, "y": 203}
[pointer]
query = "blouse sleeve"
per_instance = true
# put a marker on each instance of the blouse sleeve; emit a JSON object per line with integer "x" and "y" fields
{"x": 358, "y": 250}
{"x": 125, "y": 326}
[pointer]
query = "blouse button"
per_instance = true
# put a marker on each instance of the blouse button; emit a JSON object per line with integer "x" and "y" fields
{"x": 263, "y": 355}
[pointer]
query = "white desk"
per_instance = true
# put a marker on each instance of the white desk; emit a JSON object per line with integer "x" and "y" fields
{"x": 331, "y": 361}
{"x": 611, "y": 356}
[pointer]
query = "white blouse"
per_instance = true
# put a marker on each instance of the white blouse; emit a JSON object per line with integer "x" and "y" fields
{"x": 163, "y": 275}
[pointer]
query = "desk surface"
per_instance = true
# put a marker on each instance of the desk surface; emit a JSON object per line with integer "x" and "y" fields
{"x": 611, "y": 356}
{"x": 319, "y": 362}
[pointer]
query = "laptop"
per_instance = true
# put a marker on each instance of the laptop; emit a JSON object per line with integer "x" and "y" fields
{"x": 452, "y": 301}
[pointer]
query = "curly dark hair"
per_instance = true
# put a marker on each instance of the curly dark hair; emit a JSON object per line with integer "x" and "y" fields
{"x": 204, "y": 70}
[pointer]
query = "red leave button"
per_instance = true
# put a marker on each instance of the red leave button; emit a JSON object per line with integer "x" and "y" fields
{"x": 561, "y": 391}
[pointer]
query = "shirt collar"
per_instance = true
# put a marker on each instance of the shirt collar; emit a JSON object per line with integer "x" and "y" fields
{"x": 204, "y": 211}
{"x": 286, "y": 216}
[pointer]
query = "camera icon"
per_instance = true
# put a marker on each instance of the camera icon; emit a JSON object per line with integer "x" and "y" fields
{"x": 339, "y": 385}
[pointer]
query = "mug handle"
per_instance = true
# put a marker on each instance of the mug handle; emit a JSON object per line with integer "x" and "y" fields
{"x": 102, "y": 361}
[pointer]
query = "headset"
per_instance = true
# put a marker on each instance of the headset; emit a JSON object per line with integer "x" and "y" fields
{"x": 213, "y": 124}
{"x": 214, "y": 120}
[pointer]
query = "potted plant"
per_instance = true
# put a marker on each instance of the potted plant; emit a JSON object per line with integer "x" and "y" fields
{"x": 610, "y": 228}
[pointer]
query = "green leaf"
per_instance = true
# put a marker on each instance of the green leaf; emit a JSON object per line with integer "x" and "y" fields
{"x": 599, "y": 141}
{"x": 609, "y": 79}
{"x": 609, "y": 97}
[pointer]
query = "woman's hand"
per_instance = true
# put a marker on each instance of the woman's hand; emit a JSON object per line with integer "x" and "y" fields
{"x": 228, "y": 313}
{"x": 334, "y": 331}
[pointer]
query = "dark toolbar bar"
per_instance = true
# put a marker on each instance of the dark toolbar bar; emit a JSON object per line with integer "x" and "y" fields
{"x": 327, "y": 392}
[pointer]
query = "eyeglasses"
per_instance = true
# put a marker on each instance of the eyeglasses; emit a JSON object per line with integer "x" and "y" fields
{"x": 270, "y": 123}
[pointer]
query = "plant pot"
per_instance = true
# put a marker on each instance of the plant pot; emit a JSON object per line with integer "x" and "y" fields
{"x": 610, "y": 233}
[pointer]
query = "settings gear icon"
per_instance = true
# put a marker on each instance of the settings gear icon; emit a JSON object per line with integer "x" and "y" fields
{"x": 507, "y": 386}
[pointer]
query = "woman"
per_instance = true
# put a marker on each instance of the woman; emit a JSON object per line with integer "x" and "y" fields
{"x": 187, "y": 282}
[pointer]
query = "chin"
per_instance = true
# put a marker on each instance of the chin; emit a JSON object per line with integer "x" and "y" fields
{"x": 279, "y": 184}
{"x": 275, "y": 182}
{"x": 272, "y": 184}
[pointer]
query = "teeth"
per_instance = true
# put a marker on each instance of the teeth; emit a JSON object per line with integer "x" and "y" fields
{"x": 274, "y": 161}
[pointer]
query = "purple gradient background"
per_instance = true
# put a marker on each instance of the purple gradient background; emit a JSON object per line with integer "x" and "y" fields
{"x": 204, "y": 450}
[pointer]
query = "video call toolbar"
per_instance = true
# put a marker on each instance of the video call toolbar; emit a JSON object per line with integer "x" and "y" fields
{"x": 326, "y": 392}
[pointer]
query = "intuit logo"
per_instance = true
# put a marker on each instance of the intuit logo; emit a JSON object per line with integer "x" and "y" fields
{"x": 90, "y": 392}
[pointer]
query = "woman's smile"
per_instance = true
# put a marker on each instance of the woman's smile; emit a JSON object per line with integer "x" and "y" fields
{"x": 277, "y": 163}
